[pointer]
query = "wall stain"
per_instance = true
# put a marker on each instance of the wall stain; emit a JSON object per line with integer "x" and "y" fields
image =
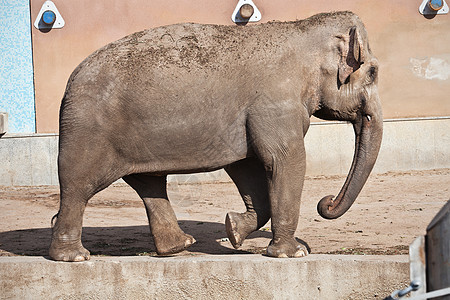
{"x": 431, "y": 68}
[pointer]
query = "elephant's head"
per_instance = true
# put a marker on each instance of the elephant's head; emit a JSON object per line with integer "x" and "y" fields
{"x": 351, "y": 94}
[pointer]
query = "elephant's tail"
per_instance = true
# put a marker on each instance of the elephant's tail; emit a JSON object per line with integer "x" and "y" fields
{"x": 52, "y": 224}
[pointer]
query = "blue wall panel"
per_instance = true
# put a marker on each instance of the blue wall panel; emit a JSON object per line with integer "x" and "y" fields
{"x": 16, "y": 66}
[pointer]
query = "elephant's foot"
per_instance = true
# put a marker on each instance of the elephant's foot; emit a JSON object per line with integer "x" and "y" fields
{"x": 171, "y": 243}
{"x": 239, "y": 226}
{"x": 286, "y": 248}
{"x": 68, "y": 251}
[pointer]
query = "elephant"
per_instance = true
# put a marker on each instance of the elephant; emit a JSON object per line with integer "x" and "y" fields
{"x": 189, "y": 98}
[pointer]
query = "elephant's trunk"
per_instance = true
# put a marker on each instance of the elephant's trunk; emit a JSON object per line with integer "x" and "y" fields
{"x": 368, "y": 134}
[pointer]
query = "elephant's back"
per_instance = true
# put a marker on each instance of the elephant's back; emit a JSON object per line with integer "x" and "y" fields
{"x": 189, "y": 47}
{"x": 181, "y": 46}
{"x": 206, "y": 46}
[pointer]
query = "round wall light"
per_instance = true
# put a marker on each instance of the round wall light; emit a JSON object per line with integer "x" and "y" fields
{"x": 48, "y": 17}
{"x": 436, "y": 4}
{"x": 433, "y": 7}
{"x": 246, "y": 11}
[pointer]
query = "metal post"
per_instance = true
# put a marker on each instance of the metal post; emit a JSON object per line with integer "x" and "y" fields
{"x": 438, "y": 251}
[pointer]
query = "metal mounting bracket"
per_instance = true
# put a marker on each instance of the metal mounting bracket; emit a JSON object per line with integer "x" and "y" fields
{"x": 237, "y": 18}
{"x": 49, "y": 17}
{"x": 3, "y": 123}
{"x": 425, "y": 8}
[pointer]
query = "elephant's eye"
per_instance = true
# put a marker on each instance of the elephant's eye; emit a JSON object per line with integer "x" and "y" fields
{"x": 372, "y": 73}
{"x": 363, "y": 100}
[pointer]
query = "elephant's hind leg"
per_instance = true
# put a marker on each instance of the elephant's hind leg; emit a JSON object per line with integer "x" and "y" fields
{"x": 167, "y": 234}
{"x": 81, "y": 175}
{"x": 66, "y": 234}
{"x": 250, "y": 178}
{"x": 75, "y": 192}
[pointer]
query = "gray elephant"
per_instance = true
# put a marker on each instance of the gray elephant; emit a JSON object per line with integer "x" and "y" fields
{"x": 191, "y": 98}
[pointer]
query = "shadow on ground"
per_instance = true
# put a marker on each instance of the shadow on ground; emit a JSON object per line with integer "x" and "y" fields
{"x": 124, "y": 241}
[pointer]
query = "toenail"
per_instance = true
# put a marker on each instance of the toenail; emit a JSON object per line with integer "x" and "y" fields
{"x": 300, "y": 253}
{"x": 79, "y": 258}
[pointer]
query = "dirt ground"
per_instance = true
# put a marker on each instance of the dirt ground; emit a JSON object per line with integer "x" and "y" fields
{"x": 390, "y": 212}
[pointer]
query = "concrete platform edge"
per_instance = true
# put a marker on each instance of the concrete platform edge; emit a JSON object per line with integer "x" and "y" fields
{"x": 205, "y": 277}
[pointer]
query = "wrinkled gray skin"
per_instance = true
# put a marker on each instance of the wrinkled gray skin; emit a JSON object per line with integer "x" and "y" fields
{"x": 191, "y": 98}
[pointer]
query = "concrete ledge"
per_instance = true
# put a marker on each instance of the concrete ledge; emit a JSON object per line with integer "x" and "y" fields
{"x": 408, "y": 144}
{"x": 28, "y": 160}
{"x": 205, "y": 277}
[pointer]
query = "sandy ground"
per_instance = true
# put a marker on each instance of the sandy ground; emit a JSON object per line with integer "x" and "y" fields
{"x": 390, "y": 212}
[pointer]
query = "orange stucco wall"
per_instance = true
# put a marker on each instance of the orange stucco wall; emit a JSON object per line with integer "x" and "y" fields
{"x": 414, "y": 52}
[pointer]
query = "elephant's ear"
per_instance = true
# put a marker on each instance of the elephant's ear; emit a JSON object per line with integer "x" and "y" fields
{"x": 351, "y": 54}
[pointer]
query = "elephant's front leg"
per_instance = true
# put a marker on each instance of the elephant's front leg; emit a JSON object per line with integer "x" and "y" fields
{"x": 276, "y": 131}
{"x": 285, "y": 182}
{"x": 285, "y": 188}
